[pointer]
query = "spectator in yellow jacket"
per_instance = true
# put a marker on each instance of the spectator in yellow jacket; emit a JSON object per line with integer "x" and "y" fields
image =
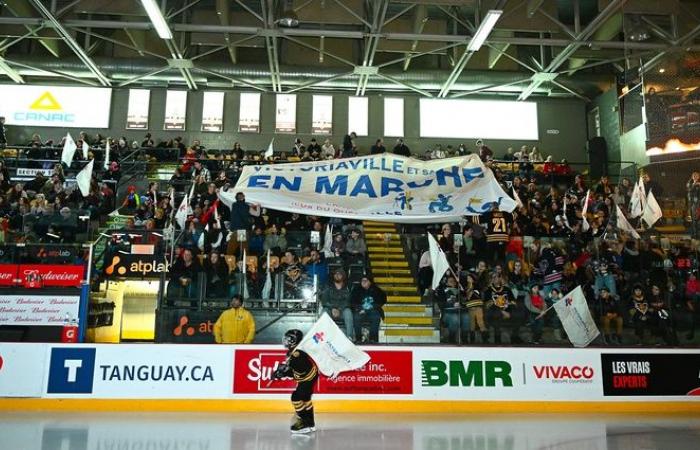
{"x": 235, "y": 325}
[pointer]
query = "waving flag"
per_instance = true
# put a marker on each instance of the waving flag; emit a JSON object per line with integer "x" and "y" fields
{"x": 652, "y": 211}
{"x": 68, "y": 152}
{"x": 267, "y": 287}
{"x": 516, "y": 197}
{"x": 330, "y": 349}
{"x": 84, "y": 178}
{"x": 328, "y": 242}
{"x": 638, "y": 199}
{"x": 576, "y": 318}
{"x": 585, "y": 225}
{"x": 624, "y": 225}
{"x": 270, "y": 149}
{"x": 108, "y": 147}
{"x": 183, "y": 211}
{"x": 437, "y": 260}
{"x": 86, "y": 149}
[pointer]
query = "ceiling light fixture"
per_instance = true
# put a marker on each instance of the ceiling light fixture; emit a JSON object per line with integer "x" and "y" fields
{"x": 662, "y": 70}
{"x": 288, "y": 18}
{"x": 157, "y": 19}
{"x": 484, "y": 30}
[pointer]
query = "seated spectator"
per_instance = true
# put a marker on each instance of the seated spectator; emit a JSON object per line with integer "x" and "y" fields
{"x": 327, "y": 150}
{"x": 367, "y": 300}
{"x": 535, "y": 304}
{"x": 338, "y": 245}
{"x": 377, "y": 148}
{"x": 317, "y": 268}
{"x": 274, "y": 241}
{"x": 295, "y": 280}
{"x": 355, "y": 247}
{"x": 641, "y": 313}
{"x": 402, "y": 149}
{"x": 509, "y": 155}
{"x": 501, "y": 307}
{"x": 314, "y": 149}
{"x": 184, "y": 275}
{"x": 335, "y": 301}
{"x": 217, "y": 273}
{"x": 235, "y": 325}
{"x": 610, "y": 311}
{"x": 659, "y": 302}
{"x": 454, "y": 312}
{"x": 536, "y": 155}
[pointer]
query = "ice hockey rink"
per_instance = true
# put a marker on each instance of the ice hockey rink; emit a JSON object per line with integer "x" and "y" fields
{"x": 208, "y": 431}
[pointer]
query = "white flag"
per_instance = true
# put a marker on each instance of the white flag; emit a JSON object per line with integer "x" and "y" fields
{"x": 68, "y": 152}
{"x": 330, "y": 349}
{"x": 516, "y": 197}
{"x": 584, "y": 211}
{"x": 86, "y": 149}
{"x": 328, "y": 242}
{"x": 228, "y": 198}
{"x": 182, "y": 212}
{"x": 437, "y": 260}
{"x": 576, "y": 318}
{"x": 270, "y": 150}
{"x": 624, "y": 225}
{"x": 638, "y": 199}
{"x": 108, "y": 147}
{"x": 652, "y": 211}
{"x": 84, "y": 177}
{"x": 267, "y": 287}
{"x": 566, "y": 218}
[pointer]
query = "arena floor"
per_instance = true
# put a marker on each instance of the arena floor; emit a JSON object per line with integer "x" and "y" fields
{"x": 203, "y": 431}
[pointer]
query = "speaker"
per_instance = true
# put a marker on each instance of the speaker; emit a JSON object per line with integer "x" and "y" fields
{"x": 598, "y": 157}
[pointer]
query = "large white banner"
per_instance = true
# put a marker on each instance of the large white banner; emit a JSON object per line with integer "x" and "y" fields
{"x": 38, "y": 309}
{"x": 55, "y": 106}
{"x": 379, "y": 187}
{"x": 22, "y": 369}
{"x": 576, "y": 318}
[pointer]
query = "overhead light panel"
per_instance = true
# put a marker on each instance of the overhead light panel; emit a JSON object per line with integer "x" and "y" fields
{"x": 157, "y": 18}
{"x": 10, "y": 72}
{"x": 484, "y": 30}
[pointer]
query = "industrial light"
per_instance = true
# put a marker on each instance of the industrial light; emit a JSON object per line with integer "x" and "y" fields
{"x": 156, "y": 16}
{"x": 10, "y": 72}
{"x": 484, "y": 30}
{"x": 288, "y": 18}
{"x": 662, "y": 70}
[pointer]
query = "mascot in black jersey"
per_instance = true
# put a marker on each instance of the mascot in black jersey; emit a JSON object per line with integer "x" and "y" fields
{"x": 302, "y": 368}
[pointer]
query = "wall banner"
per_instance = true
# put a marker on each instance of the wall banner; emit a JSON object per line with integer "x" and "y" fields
{"x": 38, "y": 309}
{"x": 391, "y": 187}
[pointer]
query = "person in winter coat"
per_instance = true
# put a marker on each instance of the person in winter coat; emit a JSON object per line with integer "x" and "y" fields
{"x": 367, "y": 300}
{"x": 235, "y": 325}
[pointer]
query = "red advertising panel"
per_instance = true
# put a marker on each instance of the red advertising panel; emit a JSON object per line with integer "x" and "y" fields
{"x": 54, "y": 275}
{"x": 388, "y": 372}
{"x": 8, "y": 274}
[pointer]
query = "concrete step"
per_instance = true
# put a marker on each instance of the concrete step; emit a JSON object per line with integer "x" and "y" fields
{"x": 390, "y": 272}
{"x": 381, "y": 237}
{"x": 394, "y": 280}
{"x": 388, "y": 264}
{"x": 386, "y": 256}
{"x": 415, "y": 299}
{"x": 408, "y": 320}
{"x": 381, "y": 230}
{"x": 389, "y": 288}
{"x": 407, "y": 309}
{"x": 413, "y": 335}
{"x": 386, "y": 249}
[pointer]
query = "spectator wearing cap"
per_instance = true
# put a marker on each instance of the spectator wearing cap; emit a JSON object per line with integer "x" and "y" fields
{"x": 335, "y": 301}
{"x": 367, "y": 300}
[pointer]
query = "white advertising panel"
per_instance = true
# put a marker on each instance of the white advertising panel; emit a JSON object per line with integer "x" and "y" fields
{"x": 139, "y": 371}
{"x": 358, "y": 115}
{"x": 486, "y": 119}
{"x": 213, "y": 112}
{"x": 249, "y": 113}
{"x": 55, "y": 106}
{"x": 393, "y": 117}
{"x": 22, "y": 369}
{"x": 322, "y": 114}
{"x": 286, "y": 115}
{"x": 37, "y": 309}
{"x": 137, "y": 112}
{"x": 175, "y": 110}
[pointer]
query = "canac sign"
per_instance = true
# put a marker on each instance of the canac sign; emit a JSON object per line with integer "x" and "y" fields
{"x": 51, "y": 275}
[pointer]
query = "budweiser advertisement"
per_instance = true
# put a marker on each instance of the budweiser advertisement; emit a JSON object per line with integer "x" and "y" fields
{"x": 389, "y": 372}
{"x": 53, "y": 275}
{"x": 37, "y": 309}
{"x": 8, "y": 274}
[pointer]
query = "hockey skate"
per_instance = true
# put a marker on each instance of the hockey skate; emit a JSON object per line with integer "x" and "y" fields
{"x": 299, "y": 427}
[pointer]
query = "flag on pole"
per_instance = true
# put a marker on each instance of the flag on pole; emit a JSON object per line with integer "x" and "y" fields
{"x": 68, "y": 152}
{"x": 437, "y": 260}
{"x": 566, "y": 218}
{"x": 270, "y": 149}
{"x": 624, "y": 225}
{"x": 576, "y": 318}
{"x": 267, "y": 287}
{"x": 652, "y": 211}
{"x": 586, "y": 225}
{"x": 244, "y": 280}
{"x": 216, "y": 212}
{"x": 108, "y": 147}
{"x": 330, "y": 349}
{"x": 171, "y": 194}
{"x": 328, "y": 242}
{"x": 516, "y": 197}
{"x": 228, "y": 198}
{"x": 84, "y": 178}
{"x": 183, "y": 212}
{"x": 86, "y": 149}
{"x": 638, "y": 199}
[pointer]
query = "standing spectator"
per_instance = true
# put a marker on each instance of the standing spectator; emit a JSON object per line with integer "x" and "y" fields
{"x": 367, "y": 300}
{"x": 455, "y": 315}
{"x": 485, "y": 153}
{"x": 660, "y": 303}
{"x": 317, "y": 267}
{"x": 693, "y": 187}
{"x": 184, "y": 275}
{"x": 498, "y": 225}
{"x": 402, "y": 149}
{"x": 235, "y": 325}
{"x": 652, "y": 185}
{"x": 274, "y": 241}
{"x": 217, "y": 273}
{"x": 335, "y": 301}
{"x": 349, "y": 146}
{"x": 610, "y": 311}
{"x": 377, "y": 148}
{"x": 240, "y": 213}
{"x": 201, "y": 171}
{"x": 536, "y": 305}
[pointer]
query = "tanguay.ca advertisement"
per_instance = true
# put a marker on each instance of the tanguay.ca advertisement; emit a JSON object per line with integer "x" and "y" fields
{"x": 186, "y": 371}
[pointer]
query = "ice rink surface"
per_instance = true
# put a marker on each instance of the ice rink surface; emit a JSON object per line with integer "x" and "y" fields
{"x": 257, "y": 431}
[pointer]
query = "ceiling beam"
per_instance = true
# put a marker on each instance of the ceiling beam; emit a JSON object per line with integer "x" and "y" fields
{"x": 379, "y": 14}
{"x": 420, "y": 18}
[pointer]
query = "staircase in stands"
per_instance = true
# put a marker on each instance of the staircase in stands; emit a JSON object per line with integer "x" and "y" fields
{"x": 407, "y": 320}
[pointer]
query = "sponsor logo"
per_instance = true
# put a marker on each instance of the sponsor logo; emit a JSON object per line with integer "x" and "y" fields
{"x": 184, "y": 329}
{"x": 650, "y": 374}
{"x": 45, "y": 108}
{"x": 120, "y": 266}
{"x": 564, "y": 374}
{"x": 318, "y": 337}
{"x": 1, "y": 362}
{"x": 71, "y": 371}
{"x": 568, "y": 301}
{"x": 145, "y": 372}
{"x": 436, "y": 373}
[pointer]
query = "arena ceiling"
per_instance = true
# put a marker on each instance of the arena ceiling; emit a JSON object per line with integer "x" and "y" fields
{"x": 557, "y": 48}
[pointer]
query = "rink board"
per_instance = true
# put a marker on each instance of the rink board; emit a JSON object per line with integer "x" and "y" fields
{"x": 408, "y": 379}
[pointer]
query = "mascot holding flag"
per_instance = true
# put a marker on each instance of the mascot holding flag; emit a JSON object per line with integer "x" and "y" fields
{"x": 302, "y": 368}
